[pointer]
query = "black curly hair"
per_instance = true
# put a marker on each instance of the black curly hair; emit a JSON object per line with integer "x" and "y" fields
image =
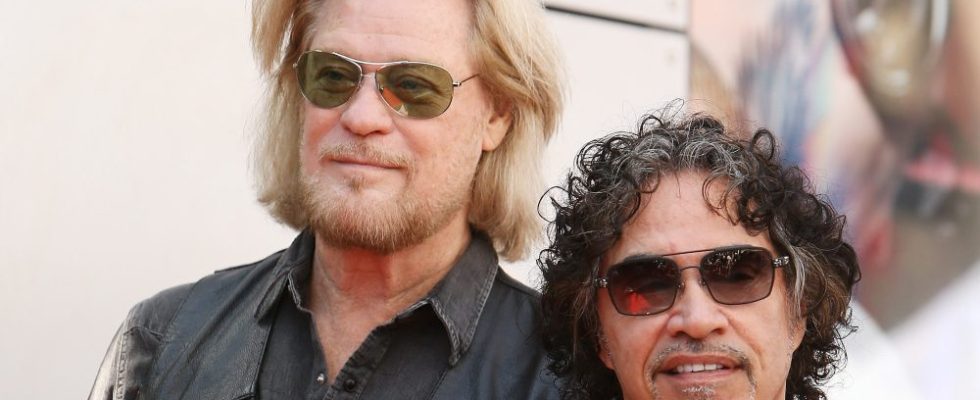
{"x": 594, "y": 204}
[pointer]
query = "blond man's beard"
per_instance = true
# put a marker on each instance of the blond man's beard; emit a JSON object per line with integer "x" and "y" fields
{"x": 343, "y": 220}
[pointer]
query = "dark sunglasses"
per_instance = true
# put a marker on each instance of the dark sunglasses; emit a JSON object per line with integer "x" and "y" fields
{"x": 647, "y": 285}
{"x": 412, "y": 89}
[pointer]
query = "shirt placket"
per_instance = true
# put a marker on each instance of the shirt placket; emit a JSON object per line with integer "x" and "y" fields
{"x": 357, "y": 371}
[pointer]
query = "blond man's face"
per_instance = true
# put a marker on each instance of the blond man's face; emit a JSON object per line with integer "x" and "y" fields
{"x": 372, "y": 178}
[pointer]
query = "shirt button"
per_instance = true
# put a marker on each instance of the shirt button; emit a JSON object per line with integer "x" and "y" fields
{"x": 321, "y": 378}
{"x": 350, "y": 384}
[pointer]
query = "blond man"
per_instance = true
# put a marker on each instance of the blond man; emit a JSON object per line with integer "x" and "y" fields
{"x": 400, "y": 139}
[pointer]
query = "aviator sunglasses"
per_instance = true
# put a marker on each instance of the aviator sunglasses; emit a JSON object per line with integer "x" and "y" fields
{"x": 412, "y": 89}
{"x": 647, "y": 285}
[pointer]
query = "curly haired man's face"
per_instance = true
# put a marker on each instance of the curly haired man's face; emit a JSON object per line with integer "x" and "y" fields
{"x": 697, "y": 349}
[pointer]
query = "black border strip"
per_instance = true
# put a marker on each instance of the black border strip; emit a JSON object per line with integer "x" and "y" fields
{"x": 608, "y": 18}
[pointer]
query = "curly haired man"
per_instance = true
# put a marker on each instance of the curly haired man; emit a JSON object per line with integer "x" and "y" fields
{"x": 688, "y": 263}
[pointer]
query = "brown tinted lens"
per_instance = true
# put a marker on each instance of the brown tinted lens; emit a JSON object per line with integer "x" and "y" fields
{"x": 738, "y": 276}
{"x": 415, "y": 90}
{"x": 643, "y": 286}
{"x": 325, "y": 79}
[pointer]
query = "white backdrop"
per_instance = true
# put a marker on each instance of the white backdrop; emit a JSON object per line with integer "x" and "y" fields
{"x": 122, "y": 171}
{"x": 124, "y": 140}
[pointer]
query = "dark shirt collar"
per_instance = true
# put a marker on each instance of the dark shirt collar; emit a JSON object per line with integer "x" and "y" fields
{"x": 299, "y": 253}
{"x": 457, "y": 300}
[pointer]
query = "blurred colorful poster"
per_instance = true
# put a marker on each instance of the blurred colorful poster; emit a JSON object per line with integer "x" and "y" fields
{"x": 880, "y": 102}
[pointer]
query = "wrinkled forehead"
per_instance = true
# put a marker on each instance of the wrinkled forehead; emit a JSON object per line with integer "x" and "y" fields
{"x": 682, "y": 214}
{"x": 434, "y": 31}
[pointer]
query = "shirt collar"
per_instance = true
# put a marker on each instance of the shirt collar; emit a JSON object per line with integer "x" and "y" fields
{"x": 299, "y": 253}
{"x": 457, "y": 300}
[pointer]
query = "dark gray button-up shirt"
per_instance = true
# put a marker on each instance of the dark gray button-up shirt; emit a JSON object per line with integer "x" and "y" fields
{"x": 246, "y": 333}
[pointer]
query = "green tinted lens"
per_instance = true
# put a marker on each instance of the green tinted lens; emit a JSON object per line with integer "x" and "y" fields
{"x": 415, "y": 90}
{"x": 326, "y": 79}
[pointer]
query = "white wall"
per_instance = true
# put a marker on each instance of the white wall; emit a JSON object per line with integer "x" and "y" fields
{"x": 122, "y": 171}
{"x": 124, "y": 138}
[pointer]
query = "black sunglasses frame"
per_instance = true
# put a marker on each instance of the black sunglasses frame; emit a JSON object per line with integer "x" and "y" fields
{"x": 604, "y": 281}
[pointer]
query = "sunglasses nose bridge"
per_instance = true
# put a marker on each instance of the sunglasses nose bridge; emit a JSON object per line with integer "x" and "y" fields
{"x": 376, "y": 75}
{"x": 374, "y": 78}
{"x": 680, "y": 274}
{"x": 682, "y": 285}
{"x": 361, "y": 69}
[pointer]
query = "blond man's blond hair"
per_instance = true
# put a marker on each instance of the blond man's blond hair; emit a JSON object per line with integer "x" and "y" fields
{"x": 518, "y": 63}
